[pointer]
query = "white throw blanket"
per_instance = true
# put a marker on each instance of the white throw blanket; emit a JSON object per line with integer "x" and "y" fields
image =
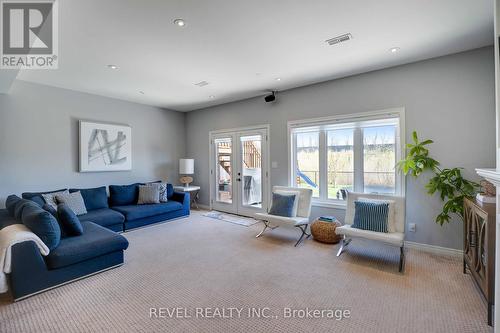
{"x": 9, "y": 236}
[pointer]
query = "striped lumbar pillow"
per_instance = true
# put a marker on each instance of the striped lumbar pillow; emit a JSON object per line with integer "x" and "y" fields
{"x": 371, "y": 216}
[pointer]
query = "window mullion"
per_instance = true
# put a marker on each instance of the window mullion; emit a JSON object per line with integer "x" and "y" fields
{"x": 323, "y": 161}
{"x": 358, "y": 160}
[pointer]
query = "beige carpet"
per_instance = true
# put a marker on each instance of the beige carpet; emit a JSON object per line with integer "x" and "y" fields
{"x": 195, "y": 262}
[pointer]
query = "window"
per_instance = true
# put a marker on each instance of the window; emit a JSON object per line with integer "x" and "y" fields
{"x": 340, "y": 162}
{"x": 308, "y": 161}
{"x": 333, "y": 156}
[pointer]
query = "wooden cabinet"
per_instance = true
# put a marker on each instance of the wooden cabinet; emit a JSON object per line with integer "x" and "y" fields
{"x": 479, "y": 247}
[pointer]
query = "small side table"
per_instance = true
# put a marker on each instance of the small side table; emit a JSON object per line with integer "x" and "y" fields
{"x": 324, "y": 232}
{"x": 193, "y": 193}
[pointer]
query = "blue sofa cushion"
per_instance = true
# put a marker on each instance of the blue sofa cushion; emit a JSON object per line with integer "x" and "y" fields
{"x": 123, "y": 195}
{"x": 94, "y": 198}
{"x": 10, "y": 204}
{"x": 6, "y": 219}
{"x": 134, "y": 212}
{"x": 94, "y": 242}
{"x": 170, "y": 191}
{"x": 68, "y": 221}
{"x": 42, "y": 224}
{"x": 103, "y": 217}
{"x": 37, "y": 196}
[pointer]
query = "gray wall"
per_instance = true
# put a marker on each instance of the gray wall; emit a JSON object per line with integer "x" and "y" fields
{"x": 449, "y": 99}
{"x": 39, "y": 139}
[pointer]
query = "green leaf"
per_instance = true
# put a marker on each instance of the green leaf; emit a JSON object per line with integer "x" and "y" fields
{"x": 426, "y": 142}
{"x": 415, "y": 137}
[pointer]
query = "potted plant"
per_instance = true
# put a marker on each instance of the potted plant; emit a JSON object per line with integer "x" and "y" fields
{"x": 451, "y": 186}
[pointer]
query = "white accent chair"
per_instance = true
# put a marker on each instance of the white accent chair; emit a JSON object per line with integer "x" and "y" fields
{"x": 391, "y": 238}
{"x": 300, "y": 221}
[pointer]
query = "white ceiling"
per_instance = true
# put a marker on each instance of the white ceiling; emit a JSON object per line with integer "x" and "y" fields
{"x": 240, "y": 46}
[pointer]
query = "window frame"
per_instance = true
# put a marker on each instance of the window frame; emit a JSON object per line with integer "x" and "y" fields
{"x": 322, "y": 124}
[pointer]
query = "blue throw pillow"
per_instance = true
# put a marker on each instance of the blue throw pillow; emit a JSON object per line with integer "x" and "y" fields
{"x": 11, "y": 203}
{"x": 94, "y": 198}
{"x": 70, "y": 224}
{"x": 371, "y": 216}
{"x": 282, "y": 205}
{"x": 123, "y": 195}
{"x": 19, "y": 208}
{"x": 37, "y": 196}
{"x": 50, "y": 209}
{"x": 42, "y": 224}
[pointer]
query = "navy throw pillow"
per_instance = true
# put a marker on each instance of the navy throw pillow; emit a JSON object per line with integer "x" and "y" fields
{"x": 10, "y": 204}
{"x": 371, "y": 216}
{"x": 94, "y": 198}
{"x": 123, "y": 195}
{"x": 19, "y": 208}
{"x": 37, "y": 196}
{"x": 70, "y": 224}
{"x": 282, "y": 205}
{"x": 50, "y": 209}
{"x": 42, "y": 224}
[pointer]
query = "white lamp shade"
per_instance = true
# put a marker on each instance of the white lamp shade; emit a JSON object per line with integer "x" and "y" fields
{"x": 186, "y": 166}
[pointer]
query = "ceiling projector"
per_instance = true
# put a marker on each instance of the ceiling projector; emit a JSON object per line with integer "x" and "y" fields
{"x": 270, "y": 98}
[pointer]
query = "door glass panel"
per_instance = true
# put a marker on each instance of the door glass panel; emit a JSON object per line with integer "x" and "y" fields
{"x": 340, "y": 163}
{"x": 223, "y": 151}
{"x": 307, "y": 173}
{"x": 379, "y": 159}
{"x": 251, "y": 167}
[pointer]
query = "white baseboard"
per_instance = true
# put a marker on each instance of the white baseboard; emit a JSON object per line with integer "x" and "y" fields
{"x": 434, "y": 249}
{"x": 205, "y": 207}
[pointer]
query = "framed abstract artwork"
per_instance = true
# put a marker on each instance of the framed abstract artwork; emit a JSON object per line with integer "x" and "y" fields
{"x": 105, "y": 147}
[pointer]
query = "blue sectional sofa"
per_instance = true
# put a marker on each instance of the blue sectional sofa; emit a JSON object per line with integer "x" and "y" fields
{"x": 98, "y": 248}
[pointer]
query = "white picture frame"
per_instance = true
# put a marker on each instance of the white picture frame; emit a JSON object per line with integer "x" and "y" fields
{"x": 105, "y": 147}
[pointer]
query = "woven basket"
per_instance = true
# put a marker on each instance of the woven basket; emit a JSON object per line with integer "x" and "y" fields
{"x": 324, "y": 232}
{"x": 488, "y": 188}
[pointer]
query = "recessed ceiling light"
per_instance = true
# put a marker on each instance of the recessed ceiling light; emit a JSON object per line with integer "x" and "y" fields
{"x": 211, "y": 96}
{"x": 394, "y": 49}
{"x": 179, "y": 22}
{"x": 113, "y": 66}
{"x": 278, "y": 79}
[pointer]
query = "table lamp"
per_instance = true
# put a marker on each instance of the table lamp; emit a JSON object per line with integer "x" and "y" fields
{"x": 186, "y": 167}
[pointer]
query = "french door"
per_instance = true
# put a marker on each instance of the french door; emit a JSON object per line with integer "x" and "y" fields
{"x": 239, "y": 171}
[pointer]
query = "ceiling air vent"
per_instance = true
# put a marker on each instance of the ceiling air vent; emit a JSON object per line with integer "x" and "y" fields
{"x": 339, "y": 39}
{"x": 201, "y": 84}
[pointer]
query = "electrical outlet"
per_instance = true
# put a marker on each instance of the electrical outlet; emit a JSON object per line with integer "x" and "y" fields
{"x": 412, "y": 227}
